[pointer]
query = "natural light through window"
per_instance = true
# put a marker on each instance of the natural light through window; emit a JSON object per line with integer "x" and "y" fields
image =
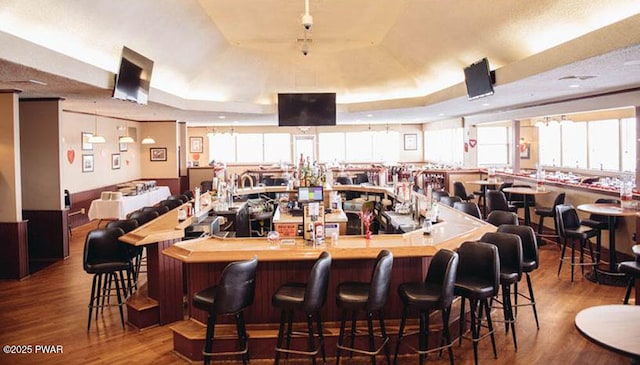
{"x": 493, "y": 146}
{"x": 604, "y": 145}
{"x": 574, "y": 148}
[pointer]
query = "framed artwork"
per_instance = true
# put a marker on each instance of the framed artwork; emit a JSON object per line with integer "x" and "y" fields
{"x": 86, "y": 146}
{"x": 410, "y": 142}
{"x": 115, "y": 161}
{"x": 87, "y": 163}
{"x": 122, "y": 147}
{"x": 196, "y": 144}
{"x": 525, "y": 151}
{"x": 158, "y": 154}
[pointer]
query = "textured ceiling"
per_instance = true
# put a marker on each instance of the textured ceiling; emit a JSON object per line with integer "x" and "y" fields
{"x": 388, "y": 61}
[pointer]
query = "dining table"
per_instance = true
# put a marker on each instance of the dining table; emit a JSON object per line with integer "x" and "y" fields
{"x": 614, "y": 327}
{"x": 611, "y": 211}
{"x": 119, "y": 208}
{"x": 526, "y": 192}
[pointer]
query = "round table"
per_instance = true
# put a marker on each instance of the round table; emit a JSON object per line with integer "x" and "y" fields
{"x": 483, "y": 187}
{"x": 614, "y": 327}
{"x": 525, "y": 191}
{"x": 610, "y": 211}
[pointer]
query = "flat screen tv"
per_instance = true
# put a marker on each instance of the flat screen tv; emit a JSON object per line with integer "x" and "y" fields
{"x": 133, "y": 78}
{"x": 479, "y": 79}
{"x": 310, "y": 194}
{"x": 306, "y": 109}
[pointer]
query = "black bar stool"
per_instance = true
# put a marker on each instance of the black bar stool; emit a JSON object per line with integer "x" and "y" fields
{"x": 510, "y": 253}
{"x": 435, "y": 293}
{"x": 106, "y": 258}
{"x": 370, "y": 297}
{"x": 308, "y": 298}
{"x": 544, "y": 212}
{"x": 233, "y": 293}
{"x": 570, "y": 228}
{"x": 632, "y": 270}
{"x": 498, "y": 217}
{"x": 530, "y": 262}
{"x": 477, "y": 280}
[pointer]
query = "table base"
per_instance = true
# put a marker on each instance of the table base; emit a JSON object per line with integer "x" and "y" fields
{"x": 607, "y": 278}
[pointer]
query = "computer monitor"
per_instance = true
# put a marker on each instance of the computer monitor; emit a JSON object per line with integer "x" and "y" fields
{"x": 310, "y": 194}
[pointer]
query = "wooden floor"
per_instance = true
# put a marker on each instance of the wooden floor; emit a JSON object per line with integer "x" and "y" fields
{"x": 50, "y": 308}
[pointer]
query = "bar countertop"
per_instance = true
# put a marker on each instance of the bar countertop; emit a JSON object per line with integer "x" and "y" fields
{"x": 455, "y": 228}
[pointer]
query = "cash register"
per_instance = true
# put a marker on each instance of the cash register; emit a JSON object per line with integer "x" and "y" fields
{"x": 306, "y": 194}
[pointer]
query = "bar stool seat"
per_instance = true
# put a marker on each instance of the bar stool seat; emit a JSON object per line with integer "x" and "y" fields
{"x": 370, "y": 297}
{"x": 632, "y": 270}
{"x": 231, "y": 296}
{"x": 308, "y": 298}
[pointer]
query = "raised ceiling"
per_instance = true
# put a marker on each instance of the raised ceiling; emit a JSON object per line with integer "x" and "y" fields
{"x": 388, "y": 61}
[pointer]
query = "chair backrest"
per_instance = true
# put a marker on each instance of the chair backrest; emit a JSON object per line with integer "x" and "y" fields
{"x": 67, "y": 198}
{"x": 515, "y": 197}
{"x": 206, "y": 185}
{"x": 180, "y": 197}
{"x": 479, "y": 260}
{"x": 604, "y": 218}
{"x": 127, "y": 225}
{"x": 236, "y": 288}
{"x": 505, "y": 185}
{"x": 101, "y": 246}
{"x": 437, "y": 194}
{"x": 450, "y": 200}
{"x": 380, "y": 281}
{"x": 171, "y": 203}
{"x": 459, "y": 190}
{"x": 344, "y": 180}
{"x": 316, "y": 290}
{"x": 188, "y": 194}
{"x": 496, "y": 200}
{"x": 442, "y": 272}
{"x": 470, "y": 208}
{"x": 143, "y": 217}
{"x": 149, "y": 209}
{"x": 528, "y": 240}
{"x": 566, "y": 218}
{"x": 361, "y": 178}
{"x": 161, "y": 209}
{"x": 498, "y": 217}
{"x": 509, "y": 250}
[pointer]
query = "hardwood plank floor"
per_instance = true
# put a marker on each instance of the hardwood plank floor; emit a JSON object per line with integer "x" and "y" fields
{"x": 50, "y": 308}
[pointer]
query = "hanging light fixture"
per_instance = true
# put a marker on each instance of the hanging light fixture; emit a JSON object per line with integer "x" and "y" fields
{"x": 96, "y": 138}
{"x": 126, "y": 138}
{"x": 565, "y": 121}
{"x": 148, "y": 140}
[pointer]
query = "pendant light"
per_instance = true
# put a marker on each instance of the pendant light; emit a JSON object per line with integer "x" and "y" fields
{"x": 148, "y": 140}
{"x": 96, "y": 138}
{"x": 126, "y": 138}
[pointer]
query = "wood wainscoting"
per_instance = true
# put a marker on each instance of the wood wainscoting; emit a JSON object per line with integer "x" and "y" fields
{"x": 14, "y": 262}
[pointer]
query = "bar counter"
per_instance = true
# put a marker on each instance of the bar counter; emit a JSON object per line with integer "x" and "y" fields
{"x": 203, "y": 261}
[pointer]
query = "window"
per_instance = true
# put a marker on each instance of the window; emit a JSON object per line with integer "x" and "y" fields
{"x": 331, "y": 147}
{"x": 358, "y": 146}
{"x": 444, "y": 145}
{"x": 628, "y": 144}
{"x": 493, "y": 146}
{"x": 574, "y": 148}
{"x": 222, "y": 147}
{"x": 604, "y": 145}
{"x": 250, "y": 147}
{"x": 550, "y": 146}
{"x": 277, "y": 147}
{"x": 386, "y": 146}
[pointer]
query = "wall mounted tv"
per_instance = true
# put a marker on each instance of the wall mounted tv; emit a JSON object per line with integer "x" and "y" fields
{"x": 133, "y": 78}
{"x": 306, "y": 109}
{"x": 479, "y": 79}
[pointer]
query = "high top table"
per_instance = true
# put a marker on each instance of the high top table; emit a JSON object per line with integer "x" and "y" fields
{"x": 614, "y": 327}
{"x": 526, "y": 192}
{"x": 484, "y": 185}
{"x": 610, "y": 211}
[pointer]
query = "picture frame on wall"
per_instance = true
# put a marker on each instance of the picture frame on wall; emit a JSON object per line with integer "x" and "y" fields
{"x": 525, "y": 151}
{"x": 115, "y": 161}
{"x": 87, "y": 163}
{"x": 158, "y": 154}
{"x": 196, "y": 144}
{"x": 84, "y": 141}
{"x": 410, "y": 142}
{"x": 122, "y": 147}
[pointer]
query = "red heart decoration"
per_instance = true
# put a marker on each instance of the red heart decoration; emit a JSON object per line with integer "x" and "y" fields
{"x": 523, "y": 147}
{"x": 196, "y": 156}
{"x": 127, "y": 162}
{"x": 71, "y": 155}
{"x": 473, "y": 142}
{"x": 466, "y": 147}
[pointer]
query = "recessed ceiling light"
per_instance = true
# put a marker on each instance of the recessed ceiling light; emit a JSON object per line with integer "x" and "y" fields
{"x": 222, "y": 117}
{"x": 369, "y": 115}
{"x": 574, "y": 86}
{"x": 441, "y": 114}
{"x": 632, "y": 63}
{"x": 486, "y": 104}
